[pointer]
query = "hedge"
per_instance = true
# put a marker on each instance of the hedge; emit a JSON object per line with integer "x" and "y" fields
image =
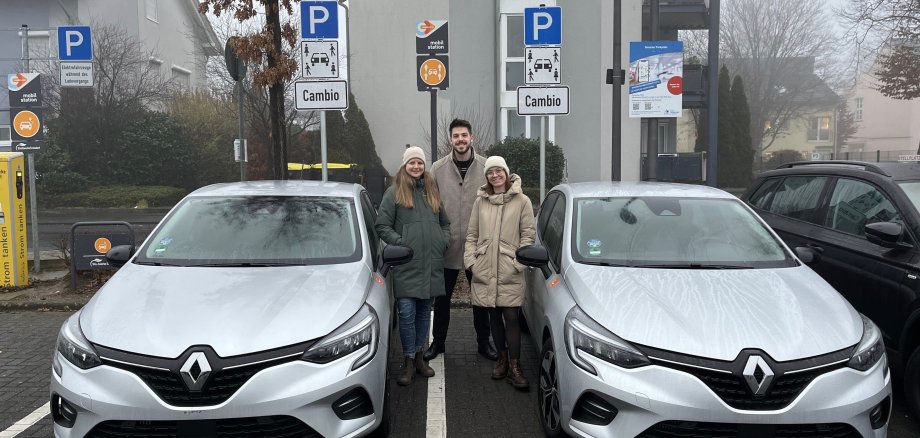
{"x": 116, "y": 196}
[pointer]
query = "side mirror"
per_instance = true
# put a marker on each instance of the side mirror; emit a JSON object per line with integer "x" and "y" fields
{"x": 395, "y": 255}
{"x": 806, "y": 255}
{"x": 884, "y": 234}
{"x": 119, "y": 255}
{"x": 534, "y": 256}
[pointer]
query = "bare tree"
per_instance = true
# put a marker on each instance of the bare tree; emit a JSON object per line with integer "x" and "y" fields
{"x": 483, "y": 126}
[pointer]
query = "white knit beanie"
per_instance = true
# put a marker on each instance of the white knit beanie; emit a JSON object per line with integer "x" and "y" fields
{"x": 496, "y": 161}
{"x": 413, "y": 152}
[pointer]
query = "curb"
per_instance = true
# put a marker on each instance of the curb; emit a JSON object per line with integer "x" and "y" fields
{"x": 40, "y": 307}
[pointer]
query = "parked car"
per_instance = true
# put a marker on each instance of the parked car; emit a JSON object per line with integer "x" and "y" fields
{"x": 860, "y": 222}
{"x": 253, "y": 309}
{"x": 667, "y": 310}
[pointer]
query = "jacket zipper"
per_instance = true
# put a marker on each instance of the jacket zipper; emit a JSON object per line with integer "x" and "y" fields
{"x": 498, "y": 248}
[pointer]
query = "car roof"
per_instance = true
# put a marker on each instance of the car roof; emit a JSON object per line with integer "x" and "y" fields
{"x": 280, "y": 188}
{"x": 896, "y": 171}
{"x": 605, "y": 189}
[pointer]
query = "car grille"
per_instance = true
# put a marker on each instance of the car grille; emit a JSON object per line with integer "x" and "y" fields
{"x": 276, "y": 426}
{"x": 692, "y": 429}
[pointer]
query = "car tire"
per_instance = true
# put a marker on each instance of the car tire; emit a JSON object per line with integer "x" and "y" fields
{"x": 548, "y": 393}
{"x": 383, "y": 430}
{"x": 912, "y": 383}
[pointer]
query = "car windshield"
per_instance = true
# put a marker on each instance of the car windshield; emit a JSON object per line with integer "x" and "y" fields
{"x": 256, "y": 231}
{"x": 665, "y": 232}
{"x": 912, "y": 190}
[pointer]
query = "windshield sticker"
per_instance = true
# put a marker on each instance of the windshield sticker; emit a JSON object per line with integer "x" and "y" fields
{"x": 160, "y": 250}
{"x": 594, "y": 247}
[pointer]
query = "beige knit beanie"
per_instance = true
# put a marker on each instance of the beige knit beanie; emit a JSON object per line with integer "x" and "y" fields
{"x": 413, "y": 152}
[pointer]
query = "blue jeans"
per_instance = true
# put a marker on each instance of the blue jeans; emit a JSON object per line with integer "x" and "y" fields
{"x": 414, "y": 318}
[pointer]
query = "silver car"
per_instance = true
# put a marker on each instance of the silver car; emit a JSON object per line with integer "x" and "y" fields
{"x": 668, "y": 310}
{"x": 253, "y": 309}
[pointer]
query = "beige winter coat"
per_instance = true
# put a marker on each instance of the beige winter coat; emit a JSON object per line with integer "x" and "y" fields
{"x": 499, "y": 225}
{"x": 457, "y": 196}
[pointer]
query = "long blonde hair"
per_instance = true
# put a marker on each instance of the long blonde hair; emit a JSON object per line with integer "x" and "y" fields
{"x": 403, "y": 184}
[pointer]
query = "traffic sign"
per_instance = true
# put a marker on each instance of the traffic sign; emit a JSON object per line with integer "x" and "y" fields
{"x": 26, "y": 123}
{"x": 25, "y": 90}
{"x": 319, "y": 19}
{"x": 431, "y": 37}
{"x": 321, "y": 95}
{"x": 543, "y": 65}
{"x": 432, "y": 72}
{"x": 543, "y": 101}
{"x": 543, "y": 26}
{"x": 320, "y": 59}
{"x": 76, "y": 74}
{"x": 75, "y": 43}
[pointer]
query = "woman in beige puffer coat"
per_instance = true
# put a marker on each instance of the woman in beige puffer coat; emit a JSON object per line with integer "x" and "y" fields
{"x": 501, "y": 222}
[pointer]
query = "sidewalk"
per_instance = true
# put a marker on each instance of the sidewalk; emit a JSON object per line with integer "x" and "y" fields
{"x": 46, "y": 290}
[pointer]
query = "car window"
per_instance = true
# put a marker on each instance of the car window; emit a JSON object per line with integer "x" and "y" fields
{"x": 798, "y": 197}
{"x": 552, "y": 237}
{"x": 764, "y": 194}
{"x": 673, "y": 232}
{"x": 370, "y": 217}
{"x": 545, "y": 208}
{"x": 854, "y": 204}
{"x": 240, "y": 230}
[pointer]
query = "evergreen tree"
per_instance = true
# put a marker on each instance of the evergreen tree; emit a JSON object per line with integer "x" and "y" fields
{"x": 358, "y": 139}
{"x": 726, "y": 136}
{"x": 742, "y": 154}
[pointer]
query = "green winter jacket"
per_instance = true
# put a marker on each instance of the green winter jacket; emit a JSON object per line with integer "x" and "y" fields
{"x": 427, "y": 233}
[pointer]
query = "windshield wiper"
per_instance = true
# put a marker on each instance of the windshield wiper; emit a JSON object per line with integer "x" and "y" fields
{"x": 598, "y": 263}
{"x": 694, "y": 266}
{"x": 155, "y": 263}
{"x": 243, "y": 265}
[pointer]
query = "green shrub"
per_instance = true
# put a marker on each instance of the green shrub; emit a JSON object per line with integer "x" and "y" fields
{"x": 534, "y": 194}
{"x": 523, "y": 158}
{"x": 63, "y": 181}
{"x": 117, "y": 196}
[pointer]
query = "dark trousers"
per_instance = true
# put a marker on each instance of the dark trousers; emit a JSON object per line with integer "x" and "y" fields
{"x": 442, "y": 310}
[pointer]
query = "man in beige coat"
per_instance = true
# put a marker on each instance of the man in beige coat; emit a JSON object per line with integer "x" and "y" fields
{"x": 459, "y": 176}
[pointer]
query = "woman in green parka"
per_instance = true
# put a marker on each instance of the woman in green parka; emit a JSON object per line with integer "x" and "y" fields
{"x": 411, "y": 215}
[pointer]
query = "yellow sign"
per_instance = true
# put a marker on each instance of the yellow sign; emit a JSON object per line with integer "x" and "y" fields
{"x": 13, "y": 262}
{"x": 26, "y": 124}
{"x": 103, "y": 245}
{"x": 432, "y": 72}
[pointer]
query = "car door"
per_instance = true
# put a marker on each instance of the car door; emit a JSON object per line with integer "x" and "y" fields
{"x": 791, "y": 205}
{"x": 549, "y": 234}
{"x": 873, "y": 278}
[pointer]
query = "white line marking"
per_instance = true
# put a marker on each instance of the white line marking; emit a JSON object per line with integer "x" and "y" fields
{"x": 437, "y": 414}
{"x": 27, "y": 422}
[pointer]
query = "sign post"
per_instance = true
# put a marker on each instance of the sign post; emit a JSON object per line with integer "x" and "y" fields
{"x": 323, "y": 63}
{"x": 433, "y": 67}
{"x": 542, "y": 95}
{"x": 27, "y": 131}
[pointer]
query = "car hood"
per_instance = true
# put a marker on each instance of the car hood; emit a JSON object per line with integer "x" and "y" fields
{"x": 789, "y": 313}
{"x": 162, "y": 311}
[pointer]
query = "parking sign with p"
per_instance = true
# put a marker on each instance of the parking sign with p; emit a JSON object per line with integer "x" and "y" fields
{"x": 543, "y": 26}
{"x": 75, "y": 43}
{"x": 319, "y": 20}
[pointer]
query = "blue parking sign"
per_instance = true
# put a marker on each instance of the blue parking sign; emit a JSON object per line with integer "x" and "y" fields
{"x": 543, "y": 26}
{"x": 319, "y": 19}
{"x": 75, "y": 43}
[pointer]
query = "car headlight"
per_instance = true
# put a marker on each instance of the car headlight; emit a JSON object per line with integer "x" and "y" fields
{"x": 74, "y": 347}
{"x": 871, "y": 347}
{"x": 359, "y": 331}
{"x": 585, "y": 336}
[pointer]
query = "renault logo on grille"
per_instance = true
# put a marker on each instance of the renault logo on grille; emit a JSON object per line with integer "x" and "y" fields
{"x": 195, "y": 371}
{"x": 757, "y": 374}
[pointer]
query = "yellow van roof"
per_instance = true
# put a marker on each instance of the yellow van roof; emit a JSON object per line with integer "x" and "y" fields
{"x": 302, "y": 166}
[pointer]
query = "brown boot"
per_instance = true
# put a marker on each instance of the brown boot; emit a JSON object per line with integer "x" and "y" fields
{"x": 407, "y": 373}
{"x": 501, "y": 366}
{"x": 516, "y": 376}
{"x": 421, "y": 366}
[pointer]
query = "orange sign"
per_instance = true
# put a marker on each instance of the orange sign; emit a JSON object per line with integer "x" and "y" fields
{"x": 26, "y": 124}
{"x": 432, "y": 72}
{"x": 103, "y": 245}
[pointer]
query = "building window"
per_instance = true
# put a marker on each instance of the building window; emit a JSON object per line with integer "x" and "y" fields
{"x": 5, "y": 134}
{"x": 858, "y": 109}
{"x": 819, "y": 129}
{"x": 182, "y": 77}
{"x": 155, "y": 66}
{"x": 151, "y": 7}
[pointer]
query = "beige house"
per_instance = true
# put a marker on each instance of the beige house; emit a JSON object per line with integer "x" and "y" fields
{"x": 886, "y": 127}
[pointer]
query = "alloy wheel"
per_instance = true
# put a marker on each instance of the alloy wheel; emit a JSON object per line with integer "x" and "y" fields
{"x": 550, "y": 413}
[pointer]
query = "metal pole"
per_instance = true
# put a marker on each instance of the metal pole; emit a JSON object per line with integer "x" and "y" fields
{"x": 651, "y": 146}
{"x": 322, "y": 143}
{"x": 434, "y": 125}
{"x": 543, "y": 121}
{"x": 243, "y": 151}
{"x": 30, "y": 162}
{"x": 616, "y": 151}
{"x": 836, "y": 146}
{"x": 712, "y": 148}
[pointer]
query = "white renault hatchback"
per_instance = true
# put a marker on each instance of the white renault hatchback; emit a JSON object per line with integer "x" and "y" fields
{"x": 253, "y": 309}
{"x": 668, "y": 310}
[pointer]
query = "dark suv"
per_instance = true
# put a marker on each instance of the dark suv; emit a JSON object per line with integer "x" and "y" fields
{"x": 857, "y": 225}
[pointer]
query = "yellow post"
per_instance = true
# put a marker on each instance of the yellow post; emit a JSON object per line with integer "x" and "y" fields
{"x": 13, "y": 262}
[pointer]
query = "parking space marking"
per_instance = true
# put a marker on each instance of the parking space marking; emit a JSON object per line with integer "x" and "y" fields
{"x": 436, "y": 426}
{"x": 27, "y": 422}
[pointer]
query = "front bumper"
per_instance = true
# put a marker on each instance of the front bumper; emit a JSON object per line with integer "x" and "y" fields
{"x": 647, "y": 396}
{"x": 297, "y": 389}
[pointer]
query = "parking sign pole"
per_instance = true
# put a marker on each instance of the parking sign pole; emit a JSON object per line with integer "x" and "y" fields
{"x": 543, "y": 121}
{"x": 30, "y": 163}
{"x": 322, "y": 143}
{"x": 434, "y": 125}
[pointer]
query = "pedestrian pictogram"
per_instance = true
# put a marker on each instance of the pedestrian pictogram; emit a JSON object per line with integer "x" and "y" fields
{"x": 103, "y": 245}
{"x": 432, "y": 72}
{"x": 319, "y": 59}
{"x": 26, "y": 124}
{"x": 543, "y": 65}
